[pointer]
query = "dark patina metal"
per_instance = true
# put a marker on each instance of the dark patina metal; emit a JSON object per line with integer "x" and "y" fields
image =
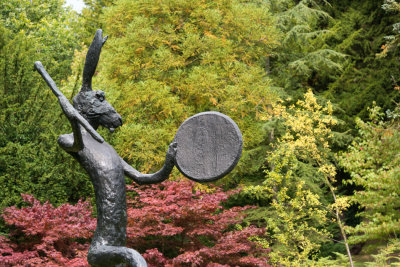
{"x": 209, "y": 146}
{"x": 107, "y": 169}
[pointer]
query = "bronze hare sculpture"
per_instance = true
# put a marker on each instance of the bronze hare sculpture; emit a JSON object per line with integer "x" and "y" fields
{"x": 206, "y": 147}
{"x": 104, "y": 166}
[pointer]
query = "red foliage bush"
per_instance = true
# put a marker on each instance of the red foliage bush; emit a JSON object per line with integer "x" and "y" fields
{"x": 172, "y": 222}
{"x": 180, "y": 226}
{"x": 47, "y": 236}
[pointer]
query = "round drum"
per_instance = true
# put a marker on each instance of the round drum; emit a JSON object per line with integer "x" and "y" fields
{"x": 209, "y": 146}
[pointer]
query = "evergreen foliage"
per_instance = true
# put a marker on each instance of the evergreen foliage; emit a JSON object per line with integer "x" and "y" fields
{"x": 360, "y": 30}
{"x": 392, "y": 40}
{"x": 373, "y": 161}
{"x": 30, "y": 119}
{"x": 305, "y": 58}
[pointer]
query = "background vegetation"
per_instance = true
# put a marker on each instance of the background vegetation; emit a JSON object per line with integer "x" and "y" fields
{"x": 312, "y": 84}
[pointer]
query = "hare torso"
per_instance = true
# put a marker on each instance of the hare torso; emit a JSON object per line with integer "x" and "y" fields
{"x": 103, "y": 164}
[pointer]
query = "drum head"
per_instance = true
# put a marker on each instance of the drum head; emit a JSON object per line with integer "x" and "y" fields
{"x": 209, "y": 146}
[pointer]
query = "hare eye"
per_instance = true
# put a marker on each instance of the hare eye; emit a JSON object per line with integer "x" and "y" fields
{"x": 100, "y": 95}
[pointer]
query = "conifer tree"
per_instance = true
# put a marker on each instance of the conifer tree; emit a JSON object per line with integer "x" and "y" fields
{"x": 392, "y": 41}
{"x": 30, "y": 160}
{"x": 373, "y": 161}
{"x": 305, "y": 58}
{"x": 360, "y": 28}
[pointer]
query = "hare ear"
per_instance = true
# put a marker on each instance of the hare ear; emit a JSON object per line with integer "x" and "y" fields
{"x": 92, "y": 58}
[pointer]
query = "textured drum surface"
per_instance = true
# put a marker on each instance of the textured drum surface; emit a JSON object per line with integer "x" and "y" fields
{"x": 209, "y": 146}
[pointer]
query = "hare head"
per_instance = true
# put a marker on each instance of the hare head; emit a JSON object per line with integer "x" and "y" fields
{"x": 92, "y": 104}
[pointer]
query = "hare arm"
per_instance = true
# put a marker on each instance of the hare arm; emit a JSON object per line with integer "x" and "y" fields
{"x": 72, "y": 114}
{"x": 153, "y": 178}
{"x": 142, "y": 178}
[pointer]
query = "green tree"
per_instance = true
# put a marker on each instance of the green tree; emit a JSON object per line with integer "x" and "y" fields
{"x": 30, "y": 119}
{"x": 91, "y": 20}
{"x": 168, "y": 60}
{"x": 305, "y": 58}
{"x": 360, "y": 28}
{"x": 298, "y": 190}
{"x": 392, "y": 41}
{"x": 373, "y": 160}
